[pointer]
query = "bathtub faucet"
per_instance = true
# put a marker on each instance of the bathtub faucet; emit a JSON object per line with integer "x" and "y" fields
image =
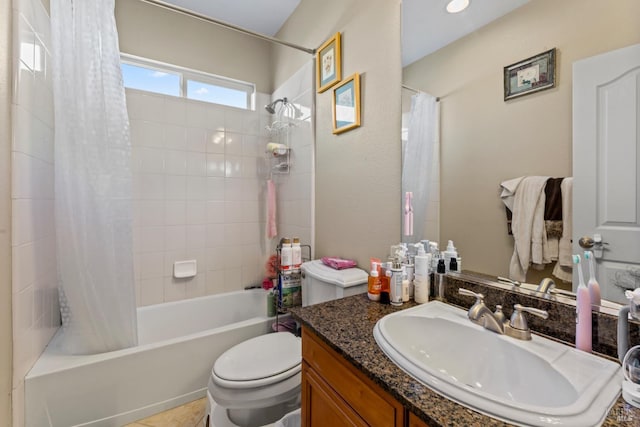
{"x": 252, "y": 287}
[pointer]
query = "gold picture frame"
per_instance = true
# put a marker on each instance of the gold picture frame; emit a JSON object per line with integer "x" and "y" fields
{"x": 329, "y": 63}
{"x": 346, "y": 104}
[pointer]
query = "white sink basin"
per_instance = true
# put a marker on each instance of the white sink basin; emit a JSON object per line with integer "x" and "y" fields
{"x": 538, "y": 382}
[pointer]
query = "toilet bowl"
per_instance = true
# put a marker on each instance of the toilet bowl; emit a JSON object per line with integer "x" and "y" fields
{"x": 258, "y": 381}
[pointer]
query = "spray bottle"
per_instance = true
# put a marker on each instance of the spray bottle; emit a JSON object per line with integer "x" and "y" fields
{"x": 594, "y": 287}
{"x": 583, "y": 311}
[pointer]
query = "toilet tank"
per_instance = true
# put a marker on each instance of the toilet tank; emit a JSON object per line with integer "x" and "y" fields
{"x": 321, "y": 283}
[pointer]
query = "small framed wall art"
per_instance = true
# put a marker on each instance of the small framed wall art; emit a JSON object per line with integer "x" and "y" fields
{"x": 346, "y": 104}
{"x": 530, "y": 75}
{"x": 329, "y": 63}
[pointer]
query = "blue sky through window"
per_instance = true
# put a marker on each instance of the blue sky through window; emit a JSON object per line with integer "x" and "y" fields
{"x": 216, "y": 94}
{"x": 151, "y": 80}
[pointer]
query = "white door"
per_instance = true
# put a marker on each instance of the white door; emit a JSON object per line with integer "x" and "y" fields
{"x": 606, "y": 160}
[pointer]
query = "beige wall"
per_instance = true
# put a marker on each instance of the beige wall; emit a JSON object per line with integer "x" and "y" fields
{"x": 6, "y": 347}
{"x": 485, "y": 140}
{"x": 357, "y": 203}
{"x": 152, "y": 32}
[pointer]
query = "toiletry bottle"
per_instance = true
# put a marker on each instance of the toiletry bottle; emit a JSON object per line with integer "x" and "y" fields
{"x": 375, "y": 284}
{"x": 583, "y": 311}
{"x": 409, "y": 268}
{"x": 296, "y": 255}
{"x": 453, "y": 264}
{"x": 421, "y": 282}
{"x": 448, "y": 254}
{"x": 435, "y": 255}
{"x": 271, "y": 304}
{"x": 405, "y": 287}
{"x": 396, "y": 282}
{"x": 286, "y": 255}
{"x": 439, "y": 285}
{"x": 594, "y": 287}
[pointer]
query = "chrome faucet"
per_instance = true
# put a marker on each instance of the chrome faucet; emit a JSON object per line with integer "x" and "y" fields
{"x": 481, "y": 315}
{"x": 546, "y": 286}
{"x": 496, "y": 321}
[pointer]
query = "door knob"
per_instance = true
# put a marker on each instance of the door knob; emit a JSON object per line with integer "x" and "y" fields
{"x": 586, "y": 242}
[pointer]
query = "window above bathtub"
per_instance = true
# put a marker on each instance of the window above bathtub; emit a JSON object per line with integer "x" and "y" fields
{"x": 166, "y": 79}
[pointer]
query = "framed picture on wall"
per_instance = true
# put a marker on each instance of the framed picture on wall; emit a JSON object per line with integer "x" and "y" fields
{"x": 530, "y": 75}
{"x": 329, "y": 63}
{"x": 346, "y": 104}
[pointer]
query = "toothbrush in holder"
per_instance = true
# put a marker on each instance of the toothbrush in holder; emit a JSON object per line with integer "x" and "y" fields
{"x": 594, "y": 287}
{"x": 583, "y": 312}
{"x": 408, "y": 214}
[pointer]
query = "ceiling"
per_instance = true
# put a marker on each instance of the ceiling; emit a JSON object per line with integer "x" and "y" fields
{"x": 261, "y": 16}
{"x": 426, "y": 26}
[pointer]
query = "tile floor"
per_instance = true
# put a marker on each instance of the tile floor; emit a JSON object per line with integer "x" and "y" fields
{"x": 187, "y": 415}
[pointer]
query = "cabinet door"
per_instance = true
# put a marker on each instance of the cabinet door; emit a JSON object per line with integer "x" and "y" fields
{"x": 322, "y": 407}
{"x": 415, "y": 421}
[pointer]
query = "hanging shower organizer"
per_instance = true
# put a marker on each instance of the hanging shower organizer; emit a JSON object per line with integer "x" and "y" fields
{"x": 279, "y": 147}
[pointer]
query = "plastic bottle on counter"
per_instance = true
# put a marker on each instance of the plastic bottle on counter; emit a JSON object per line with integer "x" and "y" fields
{"x": 396, "y": 282}
{"x": 296, "y": 254}
{"x": 375, "y": 284}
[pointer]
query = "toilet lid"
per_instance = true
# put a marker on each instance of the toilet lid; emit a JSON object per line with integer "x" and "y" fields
{"x": 260, "y": 357}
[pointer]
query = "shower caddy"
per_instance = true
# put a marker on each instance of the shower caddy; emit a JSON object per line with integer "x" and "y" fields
{"x": 289, "y": 277}
{"x": 279, "y": 133}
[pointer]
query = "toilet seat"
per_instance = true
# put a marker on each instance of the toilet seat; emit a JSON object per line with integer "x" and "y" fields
{"x": 259, "y": 361}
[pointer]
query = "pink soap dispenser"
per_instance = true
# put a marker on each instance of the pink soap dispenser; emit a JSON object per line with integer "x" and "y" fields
{"x": 583, "y": 311}
{"x": 594, "y": 287}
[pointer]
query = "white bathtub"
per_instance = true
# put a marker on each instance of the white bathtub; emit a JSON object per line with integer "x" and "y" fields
{"x": 178, "y": 343}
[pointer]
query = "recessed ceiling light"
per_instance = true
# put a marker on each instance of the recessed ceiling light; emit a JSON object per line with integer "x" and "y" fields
{"x": 456, "y": 6}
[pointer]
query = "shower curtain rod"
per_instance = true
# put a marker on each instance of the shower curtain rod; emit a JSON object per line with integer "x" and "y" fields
{"x": 210, "y": 20}
{"x": 417, "y": 91}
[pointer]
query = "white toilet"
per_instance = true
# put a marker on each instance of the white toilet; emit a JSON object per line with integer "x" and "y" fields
{"x": 258, "y": 381}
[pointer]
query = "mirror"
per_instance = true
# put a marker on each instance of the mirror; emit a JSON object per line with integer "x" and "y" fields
{"x": 485, "y": 140}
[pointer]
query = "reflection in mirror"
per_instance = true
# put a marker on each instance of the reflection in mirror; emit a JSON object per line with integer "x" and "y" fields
{"x": 485, "y": 140}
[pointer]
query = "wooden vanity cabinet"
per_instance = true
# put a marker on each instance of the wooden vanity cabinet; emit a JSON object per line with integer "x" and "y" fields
{"x": 335, "y": 393}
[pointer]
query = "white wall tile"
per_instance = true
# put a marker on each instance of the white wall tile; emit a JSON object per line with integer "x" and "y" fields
{"x": 215, "y": 165}
{"x": 175, "y": 212}
{"x": 215, "y": 141}
{"x": 196, "y": 212}
{"x": 197, "y": 139}
{"x": 215, "y": 188}
{"x": 215, "y": 118}
{"x": 233, "y": 143}
{"x": 175, "y": 111}
{"x": 197, "y": 164}
{"x": 197, "y": 114}
{"x": 147, "y": 134}
{"x": 176, "y": 162}
{"x": 175, "y": 187}
{"x": 175, "y": 137}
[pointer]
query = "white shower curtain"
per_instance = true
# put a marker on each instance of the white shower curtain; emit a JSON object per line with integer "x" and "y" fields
{"x": 92, "y": 180}
{"x": 417, "y": 166}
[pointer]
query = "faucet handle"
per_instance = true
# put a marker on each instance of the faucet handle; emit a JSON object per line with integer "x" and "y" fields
{"x": 518, "y": 327}
{"x": 467, "y": 292}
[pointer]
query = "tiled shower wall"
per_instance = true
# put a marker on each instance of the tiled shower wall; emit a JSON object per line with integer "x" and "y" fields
{"x": 200, "y": 174}
{"x": 295, "y": 190}
{"x": 35, "y": 299}
{"x": 196, "y": 195}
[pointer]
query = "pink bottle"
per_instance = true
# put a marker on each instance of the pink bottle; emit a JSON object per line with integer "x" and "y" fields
{"x": 592, "y": 285}
{"x": 583, "y": 311}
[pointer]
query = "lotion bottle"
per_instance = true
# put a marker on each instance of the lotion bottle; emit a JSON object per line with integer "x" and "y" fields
{"x": 594, "y": 287}
{"x": 583, "y": 311}
{"x": 375, "y": 285}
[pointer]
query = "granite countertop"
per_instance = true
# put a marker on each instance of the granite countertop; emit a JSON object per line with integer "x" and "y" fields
{"x": 346, "y": 325}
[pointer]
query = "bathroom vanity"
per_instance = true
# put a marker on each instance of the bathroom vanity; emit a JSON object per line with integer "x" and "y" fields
{"x": 348, "y": 380}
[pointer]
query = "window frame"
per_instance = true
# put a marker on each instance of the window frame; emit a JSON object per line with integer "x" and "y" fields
{"x": 188, "y": 74}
